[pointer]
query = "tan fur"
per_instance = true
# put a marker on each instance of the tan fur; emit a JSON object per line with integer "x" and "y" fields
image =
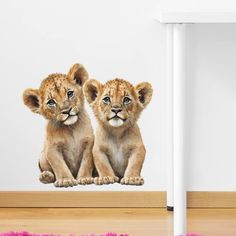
{"x": 118, "y": 149}
{"x": 66, "y": 158}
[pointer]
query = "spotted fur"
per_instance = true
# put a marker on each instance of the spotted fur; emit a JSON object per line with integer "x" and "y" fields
{"x": 118, "y": 149}
{"x": 66, "y": 158}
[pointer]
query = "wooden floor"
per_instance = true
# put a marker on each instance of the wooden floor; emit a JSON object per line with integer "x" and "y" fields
{"x": 134, "y": 221}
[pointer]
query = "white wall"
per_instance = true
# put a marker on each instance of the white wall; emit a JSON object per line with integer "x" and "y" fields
{"x": 118, "y": 38}
{"x": 211, "y": 107}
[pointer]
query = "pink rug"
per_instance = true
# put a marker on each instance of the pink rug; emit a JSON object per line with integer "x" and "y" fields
{"x": 106, "y": 234}
{"x": 31, "y": 234}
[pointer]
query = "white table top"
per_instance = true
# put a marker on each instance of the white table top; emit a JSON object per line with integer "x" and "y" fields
{"x": 197, "y": 17}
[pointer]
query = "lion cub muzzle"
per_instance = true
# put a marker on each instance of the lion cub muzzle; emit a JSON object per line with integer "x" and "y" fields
{"x": 69, "y": 116}
{"x": 116, "y": 118}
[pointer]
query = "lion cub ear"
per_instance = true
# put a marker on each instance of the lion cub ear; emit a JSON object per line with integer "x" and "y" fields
{"x": 31, "y": 99}
{"x": 78, "y": 74}
{"x": 92, "y": 88}
{"x": 144, "y": 91}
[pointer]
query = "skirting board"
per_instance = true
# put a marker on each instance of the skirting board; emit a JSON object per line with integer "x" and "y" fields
{"x": 113, "y": 199}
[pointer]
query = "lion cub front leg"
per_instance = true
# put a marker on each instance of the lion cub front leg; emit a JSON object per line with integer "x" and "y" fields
{"x": 64, "y": 178}
{"x": 46, "y": 176}
{"x": 86, "y": 167}
{"x": 134, "y": 167}
{"x": 105, "y": 171}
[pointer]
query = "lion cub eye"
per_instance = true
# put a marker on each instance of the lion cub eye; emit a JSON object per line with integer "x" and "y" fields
{"x": 70, "y": 94}
{"x": 51, "y": 103}
{"x": 127, "y": 100}
{"x": 106, "y": 100}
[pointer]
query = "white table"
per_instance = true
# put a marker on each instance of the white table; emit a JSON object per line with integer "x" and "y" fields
{"x": 175, "y": 23}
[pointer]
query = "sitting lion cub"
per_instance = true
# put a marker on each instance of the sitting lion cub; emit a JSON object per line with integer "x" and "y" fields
{"x": 67, "y": 154}
{"x": 118, "y": 147}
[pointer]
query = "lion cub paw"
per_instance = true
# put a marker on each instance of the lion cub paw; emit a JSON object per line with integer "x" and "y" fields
{"x": 106, "y": 180}
{"x": 47, "y": 177}
{"x": 132, "y": 181}
{"x": 85, "y": 180}
{"x": 65, "y": 182}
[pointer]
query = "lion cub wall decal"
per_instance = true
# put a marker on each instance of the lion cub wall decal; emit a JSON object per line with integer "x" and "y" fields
{"x": 66, "y": 159}
{"x": 118, "y": 149}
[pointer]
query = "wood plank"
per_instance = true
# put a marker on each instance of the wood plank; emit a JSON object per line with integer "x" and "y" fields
{"x": 113, "y": 199}
{"x": 82, "y": 199}
{"x": 212, "y": 199}
{"x": 134, "y": 221}
{"x": 84, "y": 221}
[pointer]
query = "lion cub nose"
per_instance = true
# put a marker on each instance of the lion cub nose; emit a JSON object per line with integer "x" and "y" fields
{"x": 116, "y": 110}
{"x": 66, "y": 111}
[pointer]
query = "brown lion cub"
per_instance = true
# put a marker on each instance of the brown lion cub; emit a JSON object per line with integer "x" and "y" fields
{"x": 118, "y": 149}
{"x": 66, "y": 159}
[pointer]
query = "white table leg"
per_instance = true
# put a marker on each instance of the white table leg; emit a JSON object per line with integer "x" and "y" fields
{"x": 178, "y": 102}
{"x": 169, "y": 116}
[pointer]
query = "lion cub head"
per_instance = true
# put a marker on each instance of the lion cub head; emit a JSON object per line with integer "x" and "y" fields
{"x": 117, "y": 103}
{"x": 59, "y": 97}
